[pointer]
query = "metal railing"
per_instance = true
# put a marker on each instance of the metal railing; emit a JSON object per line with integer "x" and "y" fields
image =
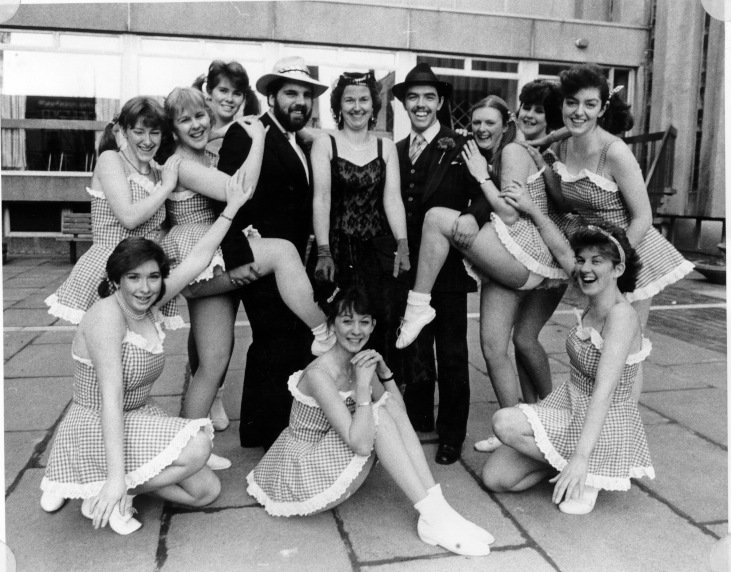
{"x": 655, "y": 152}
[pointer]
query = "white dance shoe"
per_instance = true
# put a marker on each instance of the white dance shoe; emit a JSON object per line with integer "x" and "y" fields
{"x": 320, "y": 346}
{"x": 449, "y": 512}
{"x": 583, "y": 505}
{"x": 488, "y": 445}
{"x": 216, "y": 463}
{"x": 51, "y": 502}
{"x": 414, "y": 320}
{"x": 218, "y": 413}
{"x": 123, "y": 524}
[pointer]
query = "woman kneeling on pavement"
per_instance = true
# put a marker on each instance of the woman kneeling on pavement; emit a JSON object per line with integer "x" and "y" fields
{"x": 347, "y": 410}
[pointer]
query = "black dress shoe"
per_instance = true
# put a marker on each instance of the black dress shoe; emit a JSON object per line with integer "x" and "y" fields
{"x": 448, "y": 454}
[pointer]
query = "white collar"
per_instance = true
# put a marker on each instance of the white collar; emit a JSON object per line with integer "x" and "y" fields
{"x": 429, "y": 134}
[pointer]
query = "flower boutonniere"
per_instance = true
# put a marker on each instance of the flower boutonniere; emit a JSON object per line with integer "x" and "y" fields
{"x": 445, "y": 144}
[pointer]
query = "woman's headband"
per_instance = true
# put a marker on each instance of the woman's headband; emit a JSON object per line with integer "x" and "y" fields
{"x": 610, "y": 237}
{"x": 353, "y": 78}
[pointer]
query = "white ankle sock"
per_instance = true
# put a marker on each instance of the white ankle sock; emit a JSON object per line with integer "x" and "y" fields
{"x": 418, "y": 298}
{"x": 320, "y": 332}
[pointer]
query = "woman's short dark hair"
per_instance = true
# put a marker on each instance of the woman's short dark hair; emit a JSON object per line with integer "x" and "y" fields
{"x": 617, "y": 117}
{"x": 148, "y": 109}
{"x": 353, "y": 299}
{"x": 596, "y": 236}
{"x": 129, "y": 254}
{"x": 545, "y": 93}
{"x": 336, "y": 96}
{"x": 235, "y": 73}
{"x": 495, "y": 102}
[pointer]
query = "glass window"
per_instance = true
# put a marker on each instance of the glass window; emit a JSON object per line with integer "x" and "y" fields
{"x": 159, "y": 76}
{"x": 36, "y": 216}
{"x": 91, "y": 43}
{"x": 495, "y": 66}
{"x": 31, "y": 40}
{"x": 228, "y": 51}
{"x": 470, "y": 90}
{"x": 441, "y": 62}
{"x": 173, "y": 47}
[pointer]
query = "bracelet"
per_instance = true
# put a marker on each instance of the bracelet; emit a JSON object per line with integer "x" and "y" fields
{"x": 364, "y": 404}
{"x": 324, "y": 251}
{"x": 385, "y": 378}
{"x": 228, "y": 218}
{"x": 483, "y": 181}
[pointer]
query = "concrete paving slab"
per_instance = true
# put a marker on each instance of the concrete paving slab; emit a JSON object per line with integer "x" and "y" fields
{"x": 559, "y": 363}
{"x": 33, "y": 301}
{"x": 234, "y": 384}
{"x": 701, "y": 410}
{"x": 553, "y": 337}
{"x": 43, "y": 461}
{"x": 13, "y": 342}
{"x": 27, "y": 317}
{"x": 56, "y": 337}
{"x": 172, "y": 378}
{"x": 649, "y": 417}
{"x": 176, "y": 342}
{"x": 719, "y": 530}
{"x": 480, "y": 386}
{"x": 16, "y": 293}
{"x": 628, "y": 531}
{"x": 713, "y": 373}
{"x": 19, "y": 447}
{"x": 661, "y": 378}
{"x": 49, "y": 360}
{"x": 66, "y": 540}
{"x": 8, "y": 304}
{"x": 27, "y": 280}
{"x": 669, "y": 351}
{"x": 506, "y": 561}
{"x": 36, "y": 403}
{"x": 233, "y": 480}
{"x": 676, "y": 453}
{"x": 169, "y": 404}
{"x": 202, "y": 542}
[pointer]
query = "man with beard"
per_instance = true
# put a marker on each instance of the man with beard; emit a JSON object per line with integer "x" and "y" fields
{"x": 434, "y": 175}
{"x": 280, "y": 208}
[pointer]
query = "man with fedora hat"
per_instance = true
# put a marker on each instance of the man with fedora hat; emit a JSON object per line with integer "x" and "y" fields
{"x": 434, "y": 175}
{"x": 280, "y": 208}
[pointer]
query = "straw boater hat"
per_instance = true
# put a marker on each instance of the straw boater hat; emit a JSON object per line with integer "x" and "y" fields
{"x": 422, "y": 74}
{"x": 292, "y": 68}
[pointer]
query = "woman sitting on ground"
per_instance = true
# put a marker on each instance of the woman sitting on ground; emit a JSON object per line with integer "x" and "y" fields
{"x": 346, "y": 408}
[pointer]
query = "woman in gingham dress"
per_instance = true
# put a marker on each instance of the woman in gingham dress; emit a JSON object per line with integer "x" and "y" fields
{"x": 589, "y": 428}
{"x": 128, "y": 192}
{"x": 115, "y": 443}
{"x": 212, "y": 308}
{"x": 347, "y": 411}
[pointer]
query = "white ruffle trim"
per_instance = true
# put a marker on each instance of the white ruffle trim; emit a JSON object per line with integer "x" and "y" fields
{"x": 559, "y": 463}
{"x": 658, "y": 285}
{"x": 598, "y": 180}
{"x": 521, "y": 255}
{"x": 473, "y": 272}
{"x": 96, "y": 194}
{"x": 209, "y": 272}
{"x": 329, "y": 495}
{"x": 141, "y": 342}
{"x": 150, "y": 187}
{"x": 140, "y": 475}
{"x": 534, "y": 176}
{"x": 292, "y": 382}
{"x": 586, "y": 333}
{"x": 179, "y": 196}
{"x": 55, "y": 308}
{"x": 173, "y": 322}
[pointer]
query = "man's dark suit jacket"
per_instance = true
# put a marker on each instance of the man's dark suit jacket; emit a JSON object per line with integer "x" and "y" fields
{"x": 448, "y": 184}
{"x": 282, "y": 203}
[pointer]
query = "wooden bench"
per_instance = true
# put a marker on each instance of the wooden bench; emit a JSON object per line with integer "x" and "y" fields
{"x": 661, "y": 218}
{"x": 76, "y": 227}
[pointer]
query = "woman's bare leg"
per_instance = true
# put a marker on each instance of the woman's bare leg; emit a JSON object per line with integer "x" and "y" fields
{"x": 498, "y": 308}
{"x": 534, "y": 371}
{"x": 212, "y": 323}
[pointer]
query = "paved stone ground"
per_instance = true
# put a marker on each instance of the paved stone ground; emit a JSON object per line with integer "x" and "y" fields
{"x": 668, "y": 524}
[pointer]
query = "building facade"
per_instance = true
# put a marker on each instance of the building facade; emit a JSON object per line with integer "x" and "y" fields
{"x": 66, "y": 69}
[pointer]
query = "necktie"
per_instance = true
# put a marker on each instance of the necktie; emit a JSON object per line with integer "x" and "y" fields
{"x": 417, "y": 146}
{"x": 297, "y": 149}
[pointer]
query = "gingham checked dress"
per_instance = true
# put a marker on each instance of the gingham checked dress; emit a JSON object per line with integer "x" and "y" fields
{"x": 191, "y": 215}
{"x": 598, "y": 200}
{"x": 621, "y": 452}
{"x": 309, "y": 465}
{"x": 153, "y": 439}
{"x": 79, "y": 292}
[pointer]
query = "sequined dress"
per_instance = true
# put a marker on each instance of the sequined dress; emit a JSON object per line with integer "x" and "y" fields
{"x": 309, "y": 466}
{"x": 621, "y": 451}
{"x": 79, "y": 291}
{"x": 153, "y": 439}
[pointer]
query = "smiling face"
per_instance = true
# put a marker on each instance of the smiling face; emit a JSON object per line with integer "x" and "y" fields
{"x": 595, "y": 270}
{"x": 192, "y": 126}
{"x": 226, "y": 101}
{"x": 356, "y": 105}
{"x": 487, "y": 127}
{"x": 582, "y": 110}
{"x": 142, "y": 142}
{"x": 532, "y": 120}
{"x": 140, "y": 287}
{"x": 422, "y": 103}
{"x": 352, "y": 330}
{"x": 292, "y": 105}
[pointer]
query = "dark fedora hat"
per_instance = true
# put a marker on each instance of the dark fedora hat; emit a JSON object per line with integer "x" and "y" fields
{"x": 422, "y": 74}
